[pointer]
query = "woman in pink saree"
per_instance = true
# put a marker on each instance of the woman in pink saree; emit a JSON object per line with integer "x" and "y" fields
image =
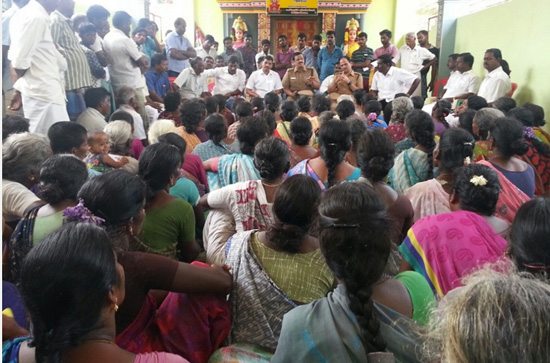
{"x": 446, "y": 247}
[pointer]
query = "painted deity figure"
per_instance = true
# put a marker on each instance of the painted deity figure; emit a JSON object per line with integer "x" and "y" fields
{"x": 350, "y": 44}
{"x": 238, "y": 31}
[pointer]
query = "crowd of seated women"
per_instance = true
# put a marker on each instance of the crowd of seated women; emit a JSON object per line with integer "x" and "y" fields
{"x": 284, "y": 233}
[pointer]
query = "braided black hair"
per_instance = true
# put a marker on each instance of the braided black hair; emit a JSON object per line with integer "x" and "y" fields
{"x": 334, "y": 142}
{"x": 355, "y": 240}
{"x": 441, "y": 110}
{"x": 421, "y": 129}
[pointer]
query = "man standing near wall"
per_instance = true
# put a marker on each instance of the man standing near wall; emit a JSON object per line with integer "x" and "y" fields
{"x": 311, "y": 54}
{"x": 36, "y": 62}
{"x": 329, "y": 56}
{"x": 425, "y": 43}
{"x": 412, "y": 55}
{"x": 387, "y": 47}
{"x": 6, "y": 42}
{"x": 178, "y": 49}
{"x": 127, "y": 62}
{"x": 229, "y": 51}
{"x": 361, "y": 59}
{"x": 77, "y": 76}
{"x": 301, "y": 44}
{"x": 283, "y": 58}
{"x": 263, "y": 53}
{"x": 249, "y": 55}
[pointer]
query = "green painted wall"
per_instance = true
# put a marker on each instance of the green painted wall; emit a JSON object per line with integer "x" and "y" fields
{"x": 209, "y": 17}
{"x": 380, "y": 15}
{"x": 520, "y": 29}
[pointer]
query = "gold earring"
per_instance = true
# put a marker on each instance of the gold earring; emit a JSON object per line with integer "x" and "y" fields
{"x": 116, "y": 305}
{"x": 131, "y": 231}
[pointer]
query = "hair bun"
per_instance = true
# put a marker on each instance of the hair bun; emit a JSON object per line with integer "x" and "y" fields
{"x": 519, "y": 147}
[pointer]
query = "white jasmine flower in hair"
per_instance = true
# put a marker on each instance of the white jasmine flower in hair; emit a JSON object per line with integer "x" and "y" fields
{"x": 478, "y": 180}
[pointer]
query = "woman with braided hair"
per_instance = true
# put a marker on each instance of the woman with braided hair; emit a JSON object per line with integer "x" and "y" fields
{"x": 440, "y": 111}
{"x": 375, "y": 157}
{"x": 330, "y": 168}
{"x": 367, "y": 313}
{"x": 416, "y": 164}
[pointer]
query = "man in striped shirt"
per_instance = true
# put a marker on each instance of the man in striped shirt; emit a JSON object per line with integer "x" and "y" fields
{"x": 78, "y": 75}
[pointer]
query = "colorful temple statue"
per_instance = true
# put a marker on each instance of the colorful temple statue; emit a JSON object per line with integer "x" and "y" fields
{"x": 350, "y": 45}
{"x": 238, "y": 31}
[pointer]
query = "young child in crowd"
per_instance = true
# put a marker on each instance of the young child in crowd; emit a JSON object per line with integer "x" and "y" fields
{"x": 98, "y": 159}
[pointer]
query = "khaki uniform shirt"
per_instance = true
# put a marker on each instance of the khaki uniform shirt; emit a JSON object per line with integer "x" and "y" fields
{"x": 296, "y": 80}
{"x": 343, "y": 88}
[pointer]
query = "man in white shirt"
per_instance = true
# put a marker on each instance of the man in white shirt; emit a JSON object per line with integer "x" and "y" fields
{"x": 178, "y": 49}
{"x": 264, "y": 80}
{"x": 192, "y": 82}
{"x": 38, "y": 66}
{"x": 98, "y": 105}
{"x": 390, "y": 80}
{"x": 127, "y": 62}
{"x": 230, "y": 81}
{"x": 126, "y": 99}
{"x": 496, "y": 83}
{"x": 412, "y": 55}
{"x": 463, "y": 83}
{"x": 206, "y": 49}
{"x": 6, "y": 41}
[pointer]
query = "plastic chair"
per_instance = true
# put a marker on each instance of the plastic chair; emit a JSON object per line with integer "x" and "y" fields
{"x": 441, "y": 83}
{"x": 514, "y": 88}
